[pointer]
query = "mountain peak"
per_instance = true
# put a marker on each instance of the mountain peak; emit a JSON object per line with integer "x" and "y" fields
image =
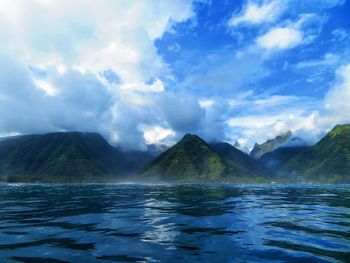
{"x": 190, "y": 136}
{"x": 270, "y": 145}
{"x": 193, "y": 160}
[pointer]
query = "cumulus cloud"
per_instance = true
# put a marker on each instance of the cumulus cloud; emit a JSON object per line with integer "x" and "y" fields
{"x": 255, "y": 13}
{"x": 115, "y": 35}
{"x": 280, "y": 38}
{"x": 183, "y": 113}
{"x": 157, "y": 134}
{"x": 92, "y": 66}
{"x": 86, "y": 65}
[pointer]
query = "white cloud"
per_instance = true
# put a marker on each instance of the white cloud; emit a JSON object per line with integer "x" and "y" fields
{"x": 206, "y": 103}
{"x": 255, "y": 13}
{"x": 260, "y": 127}
{"x": 265, "y": 118}
{"x": 115, "y": 35}
{"x": 281, "y": 38}
{"x": 157, "y": 134}
{"x": 62, "y": 49}
{"x": 259, "y": 118}
{"x": 338, "y": 98}
{"x": 155, "y": 86}
{"x": 46, "y": 87}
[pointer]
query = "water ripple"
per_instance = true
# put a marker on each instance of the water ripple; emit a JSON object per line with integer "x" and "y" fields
{"x": 174, "y": 223}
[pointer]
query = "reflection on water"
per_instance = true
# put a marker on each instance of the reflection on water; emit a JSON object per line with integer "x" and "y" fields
{"x": 174, "y": 223}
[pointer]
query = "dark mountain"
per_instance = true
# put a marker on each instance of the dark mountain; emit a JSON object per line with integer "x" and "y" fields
{"x": 327, "y": 161}
{"x": 193, "y": 160}
{"x": 275, "y": 159}
{"x": 135, "y": 160}
{"x": 240, "y": 147}
{"x": 61, "y": 156}
{"x": 156, "y": 149}
{"x": 270, "y": 145}
{"x": 232, "y": 156}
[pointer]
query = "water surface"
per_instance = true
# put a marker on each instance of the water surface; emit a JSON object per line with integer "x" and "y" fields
{"x": 174, "y": 223}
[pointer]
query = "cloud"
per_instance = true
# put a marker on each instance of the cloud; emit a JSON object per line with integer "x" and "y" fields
{"x": 183, "y": 113}
{"x": 337, "y": 99}
{"x": 92, "y": 66}
{"x": 254, "y": 13}
{"x": 257, "y": 118}
{"x": 329, "y": 59}
{"x": 281, "y": 38}
{"x": 156, "y": 86}
{"x": 308, "y": 118}
{"x": 157, "y": 134}
{"x": 85, "y": 65}
{"x": 115, "y": 35}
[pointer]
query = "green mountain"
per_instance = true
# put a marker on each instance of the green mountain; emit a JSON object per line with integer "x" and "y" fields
{"x": 277, "y": 158}
{"x": 270, "y": 145}
{"x": 193, "y": 160}
{"x": 327, "y": 161}
{"x": 231, "y": 156}
{"x": 61, "y": 156}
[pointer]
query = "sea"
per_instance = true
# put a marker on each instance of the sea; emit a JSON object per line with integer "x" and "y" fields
{"x": 174, "y": 223}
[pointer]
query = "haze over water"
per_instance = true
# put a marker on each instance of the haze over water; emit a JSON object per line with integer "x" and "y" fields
{"x": 174, "y": 223}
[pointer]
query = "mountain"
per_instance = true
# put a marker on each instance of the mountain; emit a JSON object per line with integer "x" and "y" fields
{"x": 136, "y": 160}
{"x": 193, "y": 160}
{"x": 327, "y": 161}
{"x": 240, "y": 147}
{"x": 276, "y": 158}
{"x": 61, "y": 156}
{"x": 156, "y": 149}
{"x": 232, "y": 156}
{"x": 270, "y": 145}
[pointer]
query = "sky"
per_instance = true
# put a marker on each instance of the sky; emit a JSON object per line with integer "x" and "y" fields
{"x": 147, "y": 72}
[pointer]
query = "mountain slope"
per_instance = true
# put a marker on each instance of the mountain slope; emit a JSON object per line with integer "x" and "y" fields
{"x": 68, "y": 156}
{"x": 270, "y": 145}
{"x": 327, "y": 161}
{"x": 193, "y": 160}
{"x": 275, "y": 159}
{"x": 136, "y": 160}
{"x": 230, "y": 156}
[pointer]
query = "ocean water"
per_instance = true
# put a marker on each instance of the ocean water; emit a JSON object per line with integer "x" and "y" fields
{"x": 174, "y": 223}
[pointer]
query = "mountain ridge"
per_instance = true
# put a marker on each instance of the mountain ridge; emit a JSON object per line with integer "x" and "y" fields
{"x": 270, "y": 145}
{"x": 88, "y": 157}
{"x": 59, "y": 155}
{"x": 326, "y": 161}
{"x": 192, "y": 159}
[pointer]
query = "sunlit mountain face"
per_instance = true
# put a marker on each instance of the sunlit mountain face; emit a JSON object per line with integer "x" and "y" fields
{"x": 148, "y": 72}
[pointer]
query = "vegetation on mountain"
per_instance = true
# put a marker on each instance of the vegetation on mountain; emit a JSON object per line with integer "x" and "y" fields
{"x": 88, "y": 157}
{"x": 327, "y": 161}
{"x": 232, "y": 156}
{"x": 193, "y": 160}
{"x": 62, "y": 156}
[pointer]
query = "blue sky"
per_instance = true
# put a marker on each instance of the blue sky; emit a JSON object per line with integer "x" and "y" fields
{"x": 150, "y": 71}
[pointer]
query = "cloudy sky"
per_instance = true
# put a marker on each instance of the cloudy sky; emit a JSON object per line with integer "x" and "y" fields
{"x": 144, "y": 72}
